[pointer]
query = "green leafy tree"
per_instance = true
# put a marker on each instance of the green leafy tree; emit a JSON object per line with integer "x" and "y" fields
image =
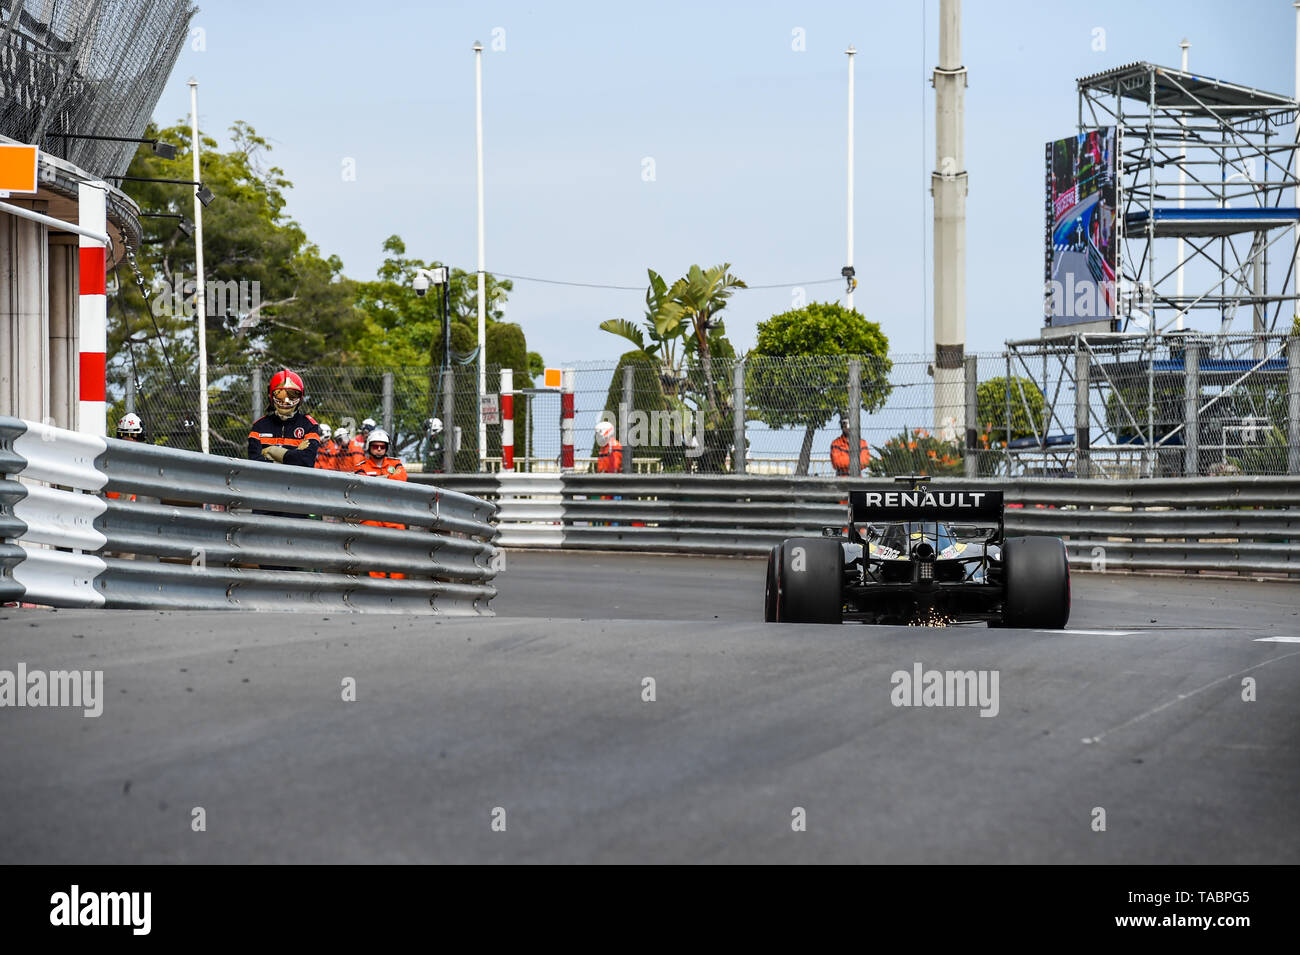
{"x": 405, "y": 330}
{"x": 1027, "y": 406}
{"x": 272, "y": 297}
{"x": 402, "y": 328}
{"x": 786, "y": 391}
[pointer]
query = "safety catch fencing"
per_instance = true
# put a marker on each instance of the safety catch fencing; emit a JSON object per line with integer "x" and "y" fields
{"x": 95, "y": 522}
{"x": 1243, "y": 525}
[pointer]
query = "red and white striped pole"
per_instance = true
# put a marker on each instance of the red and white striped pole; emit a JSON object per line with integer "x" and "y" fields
{"x": 566, "y": 420}
{"x": 92, "y": 313}
{"x": 507, "y": 419}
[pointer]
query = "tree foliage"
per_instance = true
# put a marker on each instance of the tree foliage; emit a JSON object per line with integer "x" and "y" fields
{"x": 1027, "y": 406}
{"x": 274, "y": 300}
{"x": 809, "y": 394}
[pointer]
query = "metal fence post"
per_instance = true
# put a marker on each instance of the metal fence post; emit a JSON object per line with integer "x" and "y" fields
{"x": 257, "y": 402}
{"x": 388, "y": 403}
{"x": 854, "y": 411}
{"x": 1293, "y": 405}
{"x": 624, "y": 413}
{"x": 130, "y": 392}
{"x": 1082, "y": 424}
{"x": 1006, "y": 441}
{"x": 972, "y": 416}
{"x": 449, "y": 426}
{"x": 1191, "y": 411}
{"x": 738, "y": 419}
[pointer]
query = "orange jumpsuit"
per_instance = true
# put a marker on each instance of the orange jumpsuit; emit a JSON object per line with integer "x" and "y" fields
{"x": 609, "y": 460}
{"x": 352, "y": 457}
{"x": 840, "y": 455}
{"x": 327, "y": 458}
{"x": 393, "y": 470}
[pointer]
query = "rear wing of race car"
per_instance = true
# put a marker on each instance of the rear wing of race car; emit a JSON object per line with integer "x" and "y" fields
{"x": 918, "y": 502}
{"x": 952, "y": 505}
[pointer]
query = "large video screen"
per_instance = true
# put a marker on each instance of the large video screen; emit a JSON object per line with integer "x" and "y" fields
{"x": 1082, "y": 240}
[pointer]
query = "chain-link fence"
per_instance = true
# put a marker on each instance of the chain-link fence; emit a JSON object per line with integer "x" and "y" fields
{"x": 1019, "y": 414}
{"x": 88, "y": 68}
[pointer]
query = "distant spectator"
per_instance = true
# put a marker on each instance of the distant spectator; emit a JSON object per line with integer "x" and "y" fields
{"x": 377, "y": 463}
{"x": 129, "y": 428}
{"x": 356, "y": 450}
{"x": 840, "y": 450}
{"x": 609, "y": 459}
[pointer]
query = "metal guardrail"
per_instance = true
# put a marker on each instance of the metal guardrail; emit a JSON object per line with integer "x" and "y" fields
{"x": 1248, "y": 525}
{"x": 204, "y": 532}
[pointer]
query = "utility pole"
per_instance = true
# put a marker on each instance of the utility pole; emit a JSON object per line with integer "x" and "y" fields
{"x": 948, "y": 185}
{"x": 849, "y": 273}
{"x": 482, "y": 273}
{"x": 200, "y": 293}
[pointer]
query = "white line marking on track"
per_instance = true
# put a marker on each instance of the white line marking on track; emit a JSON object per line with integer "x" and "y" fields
{"x": 1096, "y": 633}
{"x": 1183, "y": 696}
{"x": 1277, "y": 639}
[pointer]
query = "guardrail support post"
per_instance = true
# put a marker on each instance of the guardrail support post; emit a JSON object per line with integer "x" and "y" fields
{"x": 854, "y": 411}
{"x": 738, "y": 419}
{"x": 449, "y": 425}
{"x": 1192, "y": 411}
{"x": 1082, "y": 424}
{"x": 624, "y": 416}
{"x": 388, "y": 404}
{"x": 257, "y": 401}
{"x": 971, "y": 458}
{"x": 1293, "y": 406}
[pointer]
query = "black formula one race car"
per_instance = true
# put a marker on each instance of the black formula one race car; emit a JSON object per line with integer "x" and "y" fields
{"x": 912, "y": 554}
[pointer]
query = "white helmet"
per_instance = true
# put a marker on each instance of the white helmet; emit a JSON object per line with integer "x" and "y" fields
{"x": 368, "y": 425}
{"x": 604, "y": 432}
{"x": 323, "y": 428}
{"x": 376, "y": 436}
{"x": 130, "y": 424}
{"x": 435, "y": 426}
{"x": 340, "y": 432}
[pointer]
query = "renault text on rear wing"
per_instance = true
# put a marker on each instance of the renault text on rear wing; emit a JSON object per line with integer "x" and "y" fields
{"x": 872, "y": 506}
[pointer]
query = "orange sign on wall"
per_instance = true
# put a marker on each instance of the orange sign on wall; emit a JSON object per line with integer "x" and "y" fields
{"x": 18, "y": 165}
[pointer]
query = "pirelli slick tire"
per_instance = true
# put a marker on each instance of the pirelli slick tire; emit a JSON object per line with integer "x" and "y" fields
{"x": 805, "y": 581}
{"x": 1037, "y": 574}
{"x": 770, "y": 588}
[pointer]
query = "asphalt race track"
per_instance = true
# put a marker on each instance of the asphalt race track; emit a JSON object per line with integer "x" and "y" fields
{"x": 536, "y": 719}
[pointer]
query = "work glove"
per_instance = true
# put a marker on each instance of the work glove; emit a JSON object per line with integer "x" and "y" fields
{"x": 275, "y": 453}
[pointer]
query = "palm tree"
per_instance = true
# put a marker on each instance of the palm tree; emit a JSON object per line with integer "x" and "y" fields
{"x": 663, "y": 314}
{"x": 687, "y": 310}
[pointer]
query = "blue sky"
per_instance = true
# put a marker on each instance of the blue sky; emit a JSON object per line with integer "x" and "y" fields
{"x": 746, "y": 133}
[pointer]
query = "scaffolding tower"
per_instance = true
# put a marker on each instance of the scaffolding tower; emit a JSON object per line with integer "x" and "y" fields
{"x": 1205, "y": 166}
{"x": 1184, "y": 384}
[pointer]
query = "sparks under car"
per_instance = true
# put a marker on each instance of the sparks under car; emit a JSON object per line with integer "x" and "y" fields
{"x": 915, "y": 554}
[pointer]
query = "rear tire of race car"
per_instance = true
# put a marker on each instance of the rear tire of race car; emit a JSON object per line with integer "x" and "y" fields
{"x": 809, "y": 574}
{"x": 770, "y": 591}
{"x": 1037, "y": 574}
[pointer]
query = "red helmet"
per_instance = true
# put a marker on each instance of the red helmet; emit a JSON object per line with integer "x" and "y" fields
{"x": 285, "y": 379}
{"x": 286, "y": 393}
